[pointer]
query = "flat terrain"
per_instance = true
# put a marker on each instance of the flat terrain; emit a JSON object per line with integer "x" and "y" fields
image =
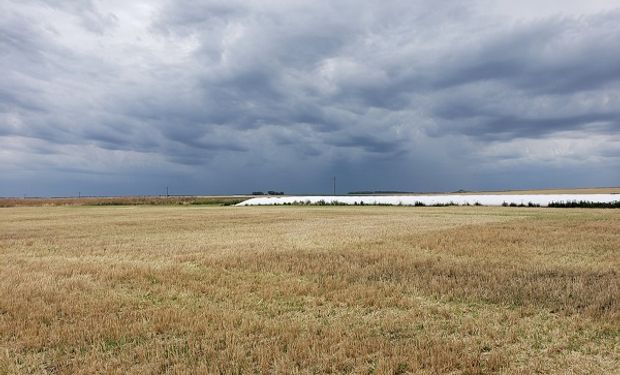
{"x": 221, "y": 200}
{"x": 590, "y": 190}
{"x": 601, "y": 190}
{"x": 147, "y": 200}
{"x": 285, "y": 290}
{"x": 512, "y": 200}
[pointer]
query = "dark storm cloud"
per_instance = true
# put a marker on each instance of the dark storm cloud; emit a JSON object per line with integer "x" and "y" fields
{"x": 492, "y": 123}
{"x": 367, "y": 143}
{"x": 244, "y": 89}
{"x": 510, "y": 126}
{"x": 558, "y": 55}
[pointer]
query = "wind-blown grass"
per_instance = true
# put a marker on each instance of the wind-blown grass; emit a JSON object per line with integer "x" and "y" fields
{"x": 461, "y": 290}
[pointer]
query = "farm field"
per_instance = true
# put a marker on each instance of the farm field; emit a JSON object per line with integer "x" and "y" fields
{"x": 309, "y": 289}
{"x": 220, "y": 200}
{"x": 146, "y": 200}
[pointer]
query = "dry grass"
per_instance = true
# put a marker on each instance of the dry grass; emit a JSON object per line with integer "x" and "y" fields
{"x": 385, "y": 290}
{"x": 124, "y": 201}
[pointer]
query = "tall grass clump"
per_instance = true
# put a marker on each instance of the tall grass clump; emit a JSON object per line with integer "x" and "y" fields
{"x": 585, "y": 204}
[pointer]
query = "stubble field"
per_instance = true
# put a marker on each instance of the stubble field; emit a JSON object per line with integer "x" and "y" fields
{"x": 286, "y": 290}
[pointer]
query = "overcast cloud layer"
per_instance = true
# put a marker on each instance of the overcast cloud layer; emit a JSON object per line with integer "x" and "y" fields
{"x": 118, "y": 97}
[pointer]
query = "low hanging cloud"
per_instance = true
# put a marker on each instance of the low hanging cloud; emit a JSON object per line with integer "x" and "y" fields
{"x": 235, "y": 96}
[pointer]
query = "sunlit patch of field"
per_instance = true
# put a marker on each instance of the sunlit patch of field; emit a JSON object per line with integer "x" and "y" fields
{"x": 385, "y": 290}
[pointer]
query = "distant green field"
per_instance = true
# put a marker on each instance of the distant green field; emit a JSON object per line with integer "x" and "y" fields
{"x": 223, "y": 200}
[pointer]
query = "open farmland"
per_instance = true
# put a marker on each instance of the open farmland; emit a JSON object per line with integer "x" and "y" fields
{"x": 152, "y": 200}
{"x": 386, "y": 290}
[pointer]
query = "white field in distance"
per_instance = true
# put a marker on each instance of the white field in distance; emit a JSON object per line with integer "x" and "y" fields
{"x": 429, "y": 200}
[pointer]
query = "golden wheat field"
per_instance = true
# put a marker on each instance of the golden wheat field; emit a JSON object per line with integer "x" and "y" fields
{"x": 309, "y": 290}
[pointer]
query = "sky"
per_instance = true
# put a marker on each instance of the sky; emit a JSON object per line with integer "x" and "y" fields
{"x": 121, "y": 97}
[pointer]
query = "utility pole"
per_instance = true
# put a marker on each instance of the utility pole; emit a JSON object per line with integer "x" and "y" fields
{"x": 167, "y": 195}
{"x": 334, "y": 185}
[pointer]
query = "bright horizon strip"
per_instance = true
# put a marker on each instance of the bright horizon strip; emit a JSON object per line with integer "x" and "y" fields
{"x": 410, "y": 200}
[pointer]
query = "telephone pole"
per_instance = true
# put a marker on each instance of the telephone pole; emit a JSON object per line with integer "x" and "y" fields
{"x": 167, "y": 195}
{"x": 334, "y": 185}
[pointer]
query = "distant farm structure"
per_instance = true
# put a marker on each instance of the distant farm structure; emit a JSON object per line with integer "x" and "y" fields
{"x": 270, "y": 192}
